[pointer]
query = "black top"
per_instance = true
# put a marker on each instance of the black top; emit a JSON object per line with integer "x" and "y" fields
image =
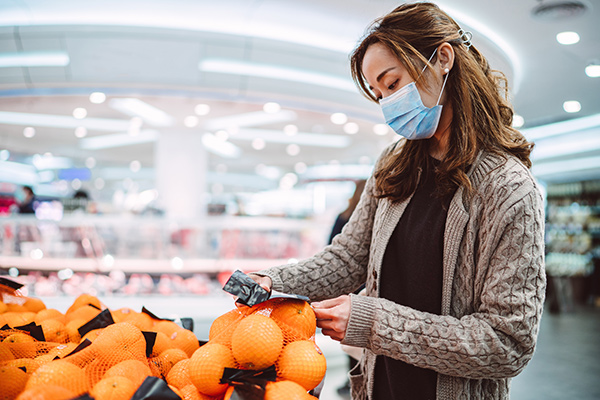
{"x": 411, "y": 275}
{"x": 340, "y": 221}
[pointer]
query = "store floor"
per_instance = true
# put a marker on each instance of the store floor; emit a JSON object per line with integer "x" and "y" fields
{"x": 566, "y": 364}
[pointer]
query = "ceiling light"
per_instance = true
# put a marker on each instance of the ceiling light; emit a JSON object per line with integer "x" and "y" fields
{"x": 593, "y": 70}
{"x": 220, "y": 147}
{"x": 572, "y": 106}
{"x": 560, "y": 128}
{"x": 79, "y": 113}
{"x": 97, "y": 97}
{"x": 293, "y": 149}
{"x": 564, "y": 166}
{"x": 76, "y": 184}
{"x": 267, "y": 71}
{"x": 249, "y": 119}
{"x": 305, "y": 139}
{"x": 288, "y": 181}
{"x": 567, "y": 38}
{"x": 290, "y": 129}
{"x": 80, "y": 132}
{"x": 4, "y": 155}
{"x": 34, "y": 59}
{"x": 222, "y": 134}
{"x": 271, "y": 108}
{"x": 191, "y": 121}
{"x": 99, "y": 183}
{"x": 338, "y": 118}
{"x": 381, "y": 129}
{"x": 135, "y": 166}
{"x": 300, "y": 167}
{"x": 351, "y": 128}
{"x": 202, "y": 109}
{"x": 258, "y": 144}
{"x": 90, "y": 162}
{"x": 137, "y": 108}
{"x": 62, "y": 121}
{"x": 29, "y": 132}
{"x": 118, "y": 140}
{"x": 518, "y": 121}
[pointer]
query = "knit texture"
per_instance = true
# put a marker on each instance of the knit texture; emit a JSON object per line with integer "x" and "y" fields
{"x": 492, "y": 291}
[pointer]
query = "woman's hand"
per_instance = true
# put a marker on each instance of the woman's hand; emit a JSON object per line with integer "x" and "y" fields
{"x": 264, "y": 281}
{"x": 332, "y": 316}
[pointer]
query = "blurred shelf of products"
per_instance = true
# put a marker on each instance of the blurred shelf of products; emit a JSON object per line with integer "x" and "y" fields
{"x": 573, "y": 244}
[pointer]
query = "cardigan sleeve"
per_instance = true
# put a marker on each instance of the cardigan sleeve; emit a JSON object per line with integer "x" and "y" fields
{"x": 498, "y": 338}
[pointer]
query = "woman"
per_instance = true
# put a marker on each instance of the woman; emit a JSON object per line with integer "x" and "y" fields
{"x": 448, "y": 235}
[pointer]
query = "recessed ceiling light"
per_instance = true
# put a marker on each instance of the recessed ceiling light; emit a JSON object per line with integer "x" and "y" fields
{"x": 29, "y": 132}
{"x": 339, "y": 118}
{"x": 258, "y": 144}
{"x": 567, "y": 38}
{"x": 593, "y": 70}
{"x": 97, "y": 97}
{"x": 290, "y": 129}
{"x": 80, "y": 113}
{"x": 99, "y": 183}
{"x": 80, "y": 132}
{"x": 135, "y": 166}
{"x": 202, "y": 109}
{"x": 271, "y": 108}
{"x": 90, "y": 162}
{"x": 518, "y": 121}
{"x": 34, "y": 59}
{"x": 293, "y": 149}
{"x": 222, "y": 134}
{"x": 381, "y": 129}
{"x": 351, "y": 128}
{"x": 572, "y": 106}
{"x": 191, "y": 121}
{"x": 300, "y": 167}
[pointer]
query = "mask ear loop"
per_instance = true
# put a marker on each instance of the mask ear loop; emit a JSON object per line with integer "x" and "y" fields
{"x": 443, "y": 86}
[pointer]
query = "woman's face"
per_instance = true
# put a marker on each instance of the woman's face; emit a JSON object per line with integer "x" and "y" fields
{"x": 385, "y": 74}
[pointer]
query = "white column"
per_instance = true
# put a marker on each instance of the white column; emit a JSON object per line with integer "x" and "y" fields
{"x": 180, "y": 164}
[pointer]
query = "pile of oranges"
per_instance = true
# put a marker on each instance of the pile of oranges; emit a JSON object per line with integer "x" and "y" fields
{"x": 278, "y": 332}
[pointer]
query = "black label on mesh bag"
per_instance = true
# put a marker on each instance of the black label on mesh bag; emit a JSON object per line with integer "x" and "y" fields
{"x": 80, "y": 347}
{"x": 11, "y": 284}
{"x": 84, "y": 396}
{"x": 34, "y": 330}
{"x": 246, "y": 289}
{"x": 247, "y": 392}
{"x": 150, "y": 340}
{"x": 100, "y": 321}
{"x": 257, "y": 377}
{"x": 154, "y": 388}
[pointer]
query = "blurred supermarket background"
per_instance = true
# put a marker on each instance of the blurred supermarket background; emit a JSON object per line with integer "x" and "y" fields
{"x": 168, "y": 143}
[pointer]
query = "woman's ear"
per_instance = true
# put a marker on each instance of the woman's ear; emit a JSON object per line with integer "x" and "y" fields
{"x": 445, "y": 57}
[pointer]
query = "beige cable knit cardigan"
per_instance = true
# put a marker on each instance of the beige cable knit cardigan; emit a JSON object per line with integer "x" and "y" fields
{"x": 493, "y": 285}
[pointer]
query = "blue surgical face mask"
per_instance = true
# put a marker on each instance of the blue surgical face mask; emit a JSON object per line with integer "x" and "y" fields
{"x": 405, "y": 113}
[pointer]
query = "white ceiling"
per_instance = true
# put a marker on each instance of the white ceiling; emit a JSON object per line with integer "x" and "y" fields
{"x": 151, "y": 50}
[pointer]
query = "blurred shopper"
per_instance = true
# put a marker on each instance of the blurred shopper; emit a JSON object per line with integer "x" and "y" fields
{"x": 27, "y": 205}
{"x": 449, "y": 233}
{"x": 344, "y": 216}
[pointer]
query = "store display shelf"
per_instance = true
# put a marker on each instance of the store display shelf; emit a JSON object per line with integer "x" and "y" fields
{"x": 130, "y": 266}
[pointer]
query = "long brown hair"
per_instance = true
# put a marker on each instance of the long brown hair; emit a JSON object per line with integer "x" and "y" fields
{"x": 481, "y": 114}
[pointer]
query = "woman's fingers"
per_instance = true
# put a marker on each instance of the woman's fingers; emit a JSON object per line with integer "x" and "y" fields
{"x": 264, "y": 281}
{"x": 332, "y": 316}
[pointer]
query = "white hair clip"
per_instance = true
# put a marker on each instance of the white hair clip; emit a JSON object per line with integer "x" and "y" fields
{"x": 465, "y": 37}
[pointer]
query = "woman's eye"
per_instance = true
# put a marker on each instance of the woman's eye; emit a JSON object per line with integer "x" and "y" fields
{"x": 393, "y": 85}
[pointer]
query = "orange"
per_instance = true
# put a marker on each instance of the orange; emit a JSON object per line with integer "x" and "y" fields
{"x": 61, "y": 373}
{"x": 85, "y": 300}
{"x": 14, "y": 319}
{"x": 13, "y": 307}
{"x": 29, "y": 364}
{"x": 161, "y": 343}
{"x": 229, "y": 393}
{"x": 54, "y": 331}
{"x": 165, "y": 361}
{"x": 185, "y": 340}
{"x": 120, "y": 342}
{"x": 134, "y": 370}
{"x": 3, "y": 307}
{"x": 206, "y": 368}
{"x": 285, "y": 390}
{"x": 91, "y": 335}
{"x": 72, "y": 329}
{"x": 302, "y": 362}
{"x": 178, "y": 375}
{"x": 141, "y": 320}
{"x": 113, "y": 388}
{"x": 84, "y": 312}
{"x": 256, "y": 342}
{"x": 18, "y": 337}
{"x": 189, "y": 392}
{"x": 5, "y": 353}
{"x": 176, "y": 391}
{"x": 49, "y": 313}
{"x": 296, "y": 319}
{"x": 12, "y": 382}
{"x": 121, "y": 314}
{"x": 46, "y": 392}
{"x": 34, "y": 305}
{"x": 166, "y": 327}
{"x": 223, "y": 326}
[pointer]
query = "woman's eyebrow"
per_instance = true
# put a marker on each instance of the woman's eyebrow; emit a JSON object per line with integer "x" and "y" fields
{"x": 382, "y": 74}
